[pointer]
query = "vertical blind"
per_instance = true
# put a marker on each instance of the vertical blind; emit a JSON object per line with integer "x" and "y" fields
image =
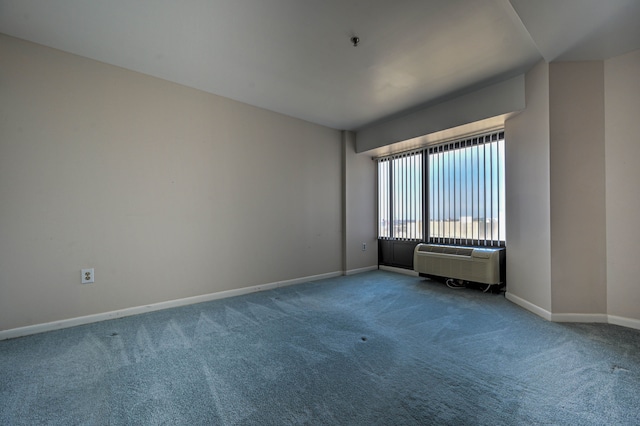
{"x": 457, "y": 186}
{"x": 400, "y": 196}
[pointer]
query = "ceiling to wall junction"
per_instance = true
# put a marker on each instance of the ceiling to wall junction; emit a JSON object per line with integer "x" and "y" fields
{"x": 296, "y": 58}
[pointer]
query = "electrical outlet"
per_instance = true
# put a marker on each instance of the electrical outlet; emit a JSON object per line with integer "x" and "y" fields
{"x": 364, "y": 246}
{"x": 88, "y": 276}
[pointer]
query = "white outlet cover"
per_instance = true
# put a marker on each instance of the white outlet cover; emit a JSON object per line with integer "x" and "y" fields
{"x": 88, "y": 276}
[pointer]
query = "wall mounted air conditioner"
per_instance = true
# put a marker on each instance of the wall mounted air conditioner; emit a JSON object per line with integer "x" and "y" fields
{"x": 482, "y": 265}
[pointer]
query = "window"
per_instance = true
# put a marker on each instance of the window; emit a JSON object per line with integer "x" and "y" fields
{"x": 457, "y": 186}
{"x": 400, "y": 197}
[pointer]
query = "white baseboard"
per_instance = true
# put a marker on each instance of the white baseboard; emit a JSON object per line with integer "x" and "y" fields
{"x": 399, "y": 270}
{"x": 586, "y": 318}
{"x": 72, "y": 322}
{"x": 528, "y": 306}
{"x": 360, "y": 270}
{"x": 583, "y": 318}
{"x": 624, "y": 322}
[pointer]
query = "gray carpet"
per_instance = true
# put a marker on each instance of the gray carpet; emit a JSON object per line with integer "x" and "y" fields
{"x": 373, "y": 348}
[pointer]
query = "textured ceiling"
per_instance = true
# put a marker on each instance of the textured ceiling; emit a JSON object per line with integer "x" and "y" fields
{"x": 295, "y": 57}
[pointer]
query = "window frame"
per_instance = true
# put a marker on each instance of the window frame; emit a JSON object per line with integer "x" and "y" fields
{"x": 492, "y": 168}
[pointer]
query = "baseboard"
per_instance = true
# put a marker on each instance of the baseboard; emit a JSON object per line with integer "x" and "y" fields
{"x": 399, "y": 270}
{"x": 583, "y": 318}
{"x": 586, "y": 318}
{"x": 360, "y": 270}
{"x": 624, "y": 322}
{"x": 72, "y": 322}
{"x": 528, "y": 306}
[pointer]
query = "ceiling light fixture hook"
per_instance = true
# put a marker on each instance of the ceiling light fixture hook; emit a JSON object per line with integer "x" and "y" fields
{"x": 355, "y": 40}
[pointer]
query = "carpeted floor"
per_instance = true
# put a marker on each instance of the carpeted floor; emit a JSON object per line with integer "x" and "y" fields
{"x": 373, "y": 348}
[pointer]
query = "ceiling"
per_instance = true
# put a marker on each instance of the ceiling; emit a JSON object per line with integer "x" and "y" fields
{"x": 295, "y": 56}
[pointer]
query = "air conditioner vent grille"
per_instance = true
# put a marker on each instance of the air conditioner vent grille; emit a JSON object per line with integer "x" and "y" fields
{"x": 458, "y": 251}
{"x": 464, "y": 251}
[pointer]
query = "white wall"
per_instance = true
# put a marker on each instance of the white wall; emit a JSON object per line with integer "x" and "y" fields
{"x": 497, "y": 99}
{"x": 578, "y": 234}
{"x": 360, "y": 208}
{"x": 622, "y": 130}
{"x": 168, "y": 192}
{"x": 572, "y": 188}
{"x": 528, "y": 197}
{"x": 162, "y": 188}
